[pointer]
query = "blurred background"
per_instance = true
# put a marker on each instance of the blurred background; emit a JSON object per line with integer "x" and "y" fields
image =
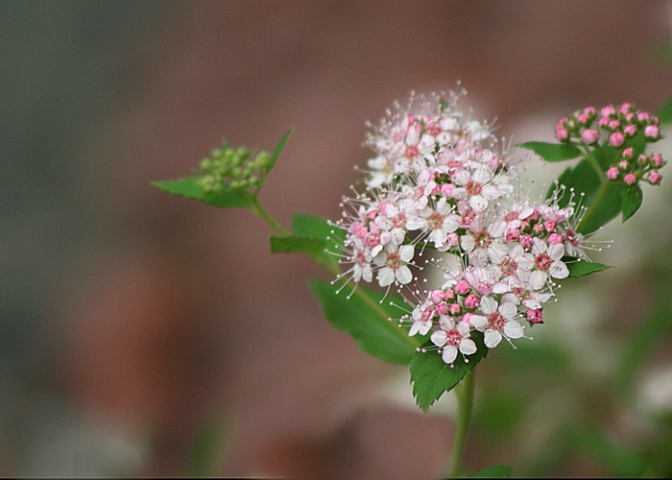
{"x": 143, "y": 335}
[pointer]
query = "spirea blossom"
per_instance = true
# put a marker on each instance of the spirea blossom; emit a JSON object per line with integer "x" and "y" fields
{"x": 441, "y": 181}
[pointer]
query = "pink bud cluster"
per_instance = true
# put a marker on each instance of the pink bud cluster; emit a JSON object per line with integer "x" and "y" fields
{"x": 622, "y": 128}
{"x": 439, "y": 181}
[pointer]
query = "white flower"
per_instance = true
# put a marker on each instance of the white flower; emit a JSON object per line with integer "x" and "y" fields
{"x": 393, "y": 263}
{"x": 499, "y": 321}
{"x": 453, "y": 338}
{"x": 547, "y": 262}
{"x": 439, "y": 222}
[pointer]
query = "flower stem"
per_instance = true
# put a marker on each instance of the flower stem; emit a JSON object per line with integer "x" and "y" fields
{"x": 258, "y": 210}
{"x": 464, "y": 392}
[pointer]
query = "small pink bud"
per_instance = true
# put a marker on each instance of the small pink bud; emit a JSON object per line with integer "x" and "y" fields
{"x": 603, "y": 121}
{"x": 524, "y": 224}
{"x": 534, "y": 316}
{"x": 643, "y": 159}
{"x": 654, "y": 178}
{"x": 441, "y": 309}
{"x": 549, "y": 226}
{"x": 583, "y": 118}
{"x": 447, "y": 190}
{"x": 652, "y": 132}
{"x": 554, "y": 238}
{"x": 628, "y": 152}
{"x": 534, "y": 215}
{"x": 612, "y": 173}
{"x": 525, "y": 240}
{"x": 467, "y": 318}
{"x": 538, "y": 228}
{"x": 449, "y": 295}
{"x": 657, "y": 160}
{"x": 361, "y": 232}
{"x": 616, "y": 139}
{"x": 437, "y": 296}
{"x": 472, "y": 301}
{"x": 644, "y": 116}
{"x": 561, "y": 134}
{"x": 614, "y": 124}
{"x": 462, "y": 287}
{"x": 454, "y": 308}
{"x": 630, "y": 130}
{"x": 453, "y": 239}
{"x": 511, "y": 235}
{"x": 608, "y": 110}
{"x": 590, "y": 136}
{"x": 630, "y": 179}
{"x": 626, "y": 107}
{"x": 623, "y": 165}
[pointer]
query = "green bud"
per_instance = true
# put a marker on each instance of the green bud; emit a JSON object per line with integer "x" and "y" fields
{"x": 262, "y": 160}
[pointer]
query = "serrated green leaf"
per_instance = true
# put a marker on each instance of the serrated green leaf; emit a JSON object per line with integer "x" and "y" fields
{"x": 495, "y": 471}
{"x": 311, "y": 246}
{"x": 366, "y": 320}
{"x": 432, "y": 377}
{"x": 631, "y": 198}
{"x": 278, "y": 150}
{"x": 192, "y": 188}
{"x": 665, "y": 112}
{"x": 583, "y": 268}
{"x": 553, "y": 152}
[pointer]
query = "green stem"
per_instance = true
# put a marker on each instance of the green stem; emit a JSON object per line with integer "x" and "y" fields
{"x": 596, "y": 165}
{"x": 258, "y": 210}
{"x": 464, "y": 392}
{"x": 599, "y": 196}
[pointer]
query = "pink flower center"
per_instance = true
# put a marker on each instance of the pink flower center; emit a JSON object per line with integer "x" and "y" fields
{"x": 473, "y": 188}
{"x": 543, "y": 262}
{"x": 521, "y": 293}
{"x": 508, "y": 266}
{"x": 399, "y": 220}
{"x": 453, "y": 337}
{"x": 361, "y": 259}
{"x": 412, "y": 152}
{"x": 483, "y": 239}
{"x": 435, "y": 221}
{"x": 372, "y": 239}
{"x": 427, "y": 314}
{"x": 496, "y": 321}
{"x": 393, "y": 261}
{"x": 433, "y": 129}
{"x": 468, "y": 218}
{"x": 511, "y": 216}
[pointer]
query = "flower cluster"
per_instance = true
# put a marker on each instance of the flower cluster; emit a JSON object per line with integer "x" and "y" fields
{"x": 440, "y": 182}
{"x": 623, "y": 128}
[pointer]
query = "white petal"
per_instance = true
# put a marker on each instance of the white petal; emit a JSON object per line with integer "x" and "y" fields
{"x": 490, "y": 192}
{"x": 385, "y": 276}
{"x": 513, "y": 329}
{"x": 415, "y": 328}
{"x": 406, "y": 253}
{"x": 492, "y": 338}
{"x": 488, "y": 305}
{"x": 537, "y": 279}
{"x": 538, "y": 246}
{"x": 556, "y": 251}
{"x": 449, "y": 354}
{"x": 404, "y": 275}
{"x": 558, "y": 270}
{"x": 416, "y": 223}
{"x": 478, "y": 203}
{"x": 508, "y": 310}
{"x": 479, "y": 322}
{"x": 424, "y": 328}
{"x": 467, "y": 346}
{"x": 439, "y": 338}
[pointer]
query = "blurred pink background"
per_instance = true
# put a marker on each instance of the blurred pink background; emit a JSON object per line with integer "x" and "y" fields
{"x": 161, "y": 316}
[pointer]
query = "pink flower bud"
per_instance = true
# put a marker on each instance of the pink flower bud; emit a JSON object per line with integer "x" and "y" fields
{"x": 612, "y": 173}
{"x": 630, "y": 179}
{"x": 437, "y": 296}
{"x": 538, "y": 228}
{"x": 534, "y": 316}
{"x": 614, "y": 124}
{"x": 554, "y": 238}
{"x": 642, "y": 159}
{"x": 626, "y": 107}
{"x": 449, "y": 295}
{"x": 462, "y": 287}
{"x": 652, "y": 132}
{"x": 654, "y": 178}
{"x": 454, "y": 308}
{"x": 657, "y": 160}
{"x": 616, "y": 139}
{"x": 608, "y": 110}
{"x": 453, "y": 239}
{"x": 628, "y": 152}
{"x": 630, "y": 130}
{"x": 511, "y": 235}
{"x": 447, "y": 190}
{"x": 441, "y": 309}
{"x": 525, "y": 240}
{"x": 549, "y": 226}
{"x": 561, "y": 134}
{"x": 623, "y": 165}
{"x": 467, "y": 318}
{"x": 603, "y": 121}
{"x": 472, "y": 301}
{"x": 643, "y": 116}
{"x": 590, "y": 136}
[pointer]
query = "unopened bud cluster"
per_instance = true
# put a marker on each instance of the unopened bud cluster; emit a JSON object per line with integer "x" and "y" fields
{"x": 233, "y": 168}
{"x": 626, "y": 130}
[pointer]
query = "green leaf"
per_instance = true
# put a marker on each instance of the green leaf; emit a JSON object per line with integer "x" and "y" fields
{"x": 495, "y": 471}
{"x": 192, "y": 188}
{"x": 277, "y": 151}
{"x": 603, "y": 207}
{"x": 553, "y": 152}
{"x": 583, "y": 268}
{"x": 305, "y": 225}
{"x": 582, "y": 178}
{"x": 311, "y": 246}
{"x": 366, "y": 320}
{"x": 431, "y": 376}
{"x": 631, "y": 198}
{"x": 665, "y": 112}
